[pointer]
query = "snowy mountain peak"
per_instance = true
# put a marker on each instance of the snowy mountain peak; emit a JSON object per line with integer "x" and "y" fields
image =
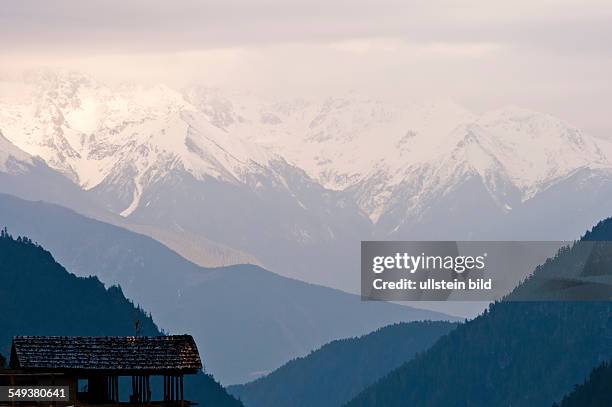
{"x": 380, "y": 153}
{"x": 537, "y": 149}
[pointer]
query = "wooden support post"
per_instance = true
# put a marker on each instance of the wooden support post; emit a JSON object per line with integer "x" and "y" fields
{"x": 182, "y": 391}
{"x": 172, "y": 388}
{"x": 165, "y": 388}
{"x": 111, "y": 386}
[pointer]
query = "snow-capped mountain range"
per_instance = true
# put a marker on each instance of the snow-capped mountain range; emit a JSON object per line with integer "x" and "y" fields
{"x": 287, "y": 180}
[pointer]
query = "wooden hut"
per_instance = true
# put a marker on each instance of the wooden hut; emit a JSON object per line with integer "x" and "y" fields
{"x": 91, "y": 367}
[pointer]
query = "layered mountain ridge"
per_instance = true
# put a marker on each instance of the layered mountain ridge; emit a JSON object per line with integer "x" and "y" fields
{"x": 245, "y": 320}
{"x": 285, "y": 180}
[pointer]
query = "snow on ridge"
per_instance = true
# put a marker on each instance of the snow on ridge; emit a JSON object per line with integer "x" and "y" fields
{"x": 99, "y": 126}
{"x": 88, "y": 130}
{"x": 11, "y": 156}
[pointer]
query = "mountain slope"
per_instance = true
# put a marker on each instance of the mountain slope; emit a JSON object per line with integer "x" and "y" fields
{"x": 153, "y": 157}
{"x": 594, "y": 392}
{"x": 31, "y": 279}
{"x": 284, "y": 220}
{"x": 283, "y": 181}
{"x": 31, "y": 178}
{"x": 246, "y": 320}
{"x": 338, "y": 371}
{"x": 502, "y": 356}
{"x": 39, "y": 297}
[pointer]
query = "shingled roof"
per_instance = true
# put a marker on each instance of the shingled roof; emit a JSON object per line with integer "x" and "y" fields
{"x": 156, "y": 354}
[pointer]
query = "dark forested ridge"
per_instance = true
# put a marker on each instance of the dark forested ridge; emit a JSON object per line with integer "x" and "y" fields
{"x": 502, "y": 357}
{"x": 516, "y": 353}
{"x": 39, "y": 297}
{"x": 601, "y": 232}
{"x": 333, "y": 374}
{"x": 596, "y": 391}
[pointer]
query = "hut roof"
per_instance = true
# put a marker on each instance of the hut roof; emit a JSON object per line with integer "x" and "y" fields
{"x": 156, "y": 354}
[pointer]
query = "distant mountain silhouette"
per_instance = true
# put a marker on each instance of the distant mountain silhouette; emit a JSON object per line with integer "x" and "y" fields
{"x": 515, "y": 353}
{"x": 596, "y": 391}
{"x": 39, "y": 297}
{"x": 245, "y": 319}
{"x": 333, "y": 374}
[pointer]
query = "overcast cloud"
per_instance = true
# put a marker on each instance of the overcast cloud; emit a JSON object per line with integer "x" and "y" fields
{"x": 554, "y": 56}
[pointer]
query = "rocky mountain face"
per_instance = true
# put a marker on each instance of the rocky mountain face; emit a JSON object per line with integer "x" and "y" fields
{"x": 297, "y": 184}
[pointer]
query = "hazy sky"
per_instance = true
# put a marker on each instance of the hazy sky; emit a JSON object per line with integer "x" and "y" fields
{"x": 553, "y": 56}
